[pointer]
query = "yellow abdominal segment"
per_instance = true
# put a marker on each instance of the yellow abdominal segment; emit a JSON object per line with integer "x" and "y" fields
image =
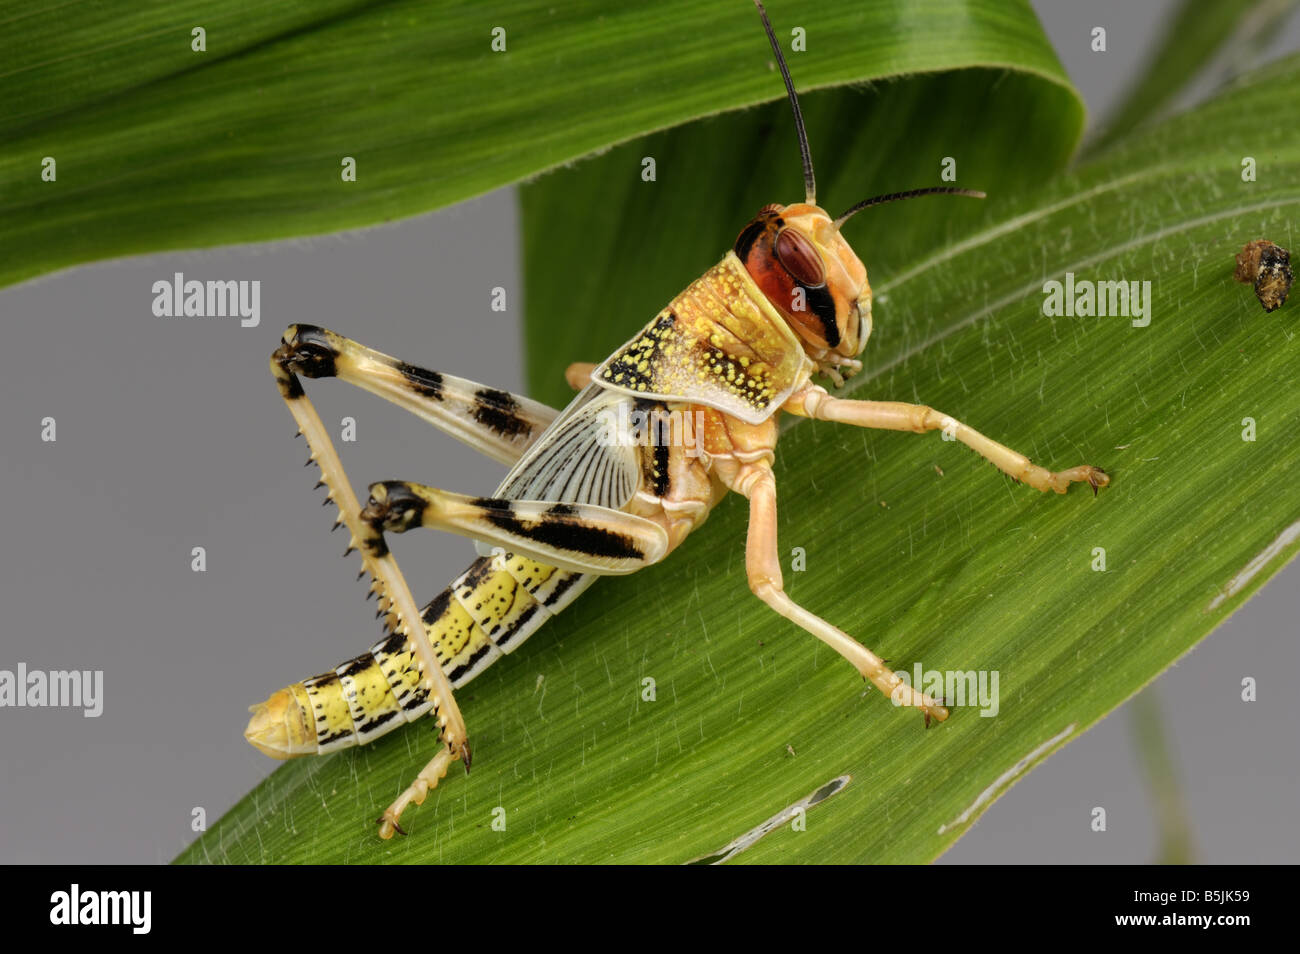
{"x": 490, "y": 610}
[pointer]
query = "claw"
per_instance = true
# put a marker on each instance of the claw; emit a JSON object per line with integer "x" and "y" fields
{"x": 1098, "y": 479}
{"x": 943, "y": 703}
{"x": 466, "y": 755}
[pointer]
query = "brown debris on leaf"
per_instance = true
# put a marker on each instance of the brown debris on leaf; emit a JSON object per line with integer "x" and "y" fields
{"x": 1268, "y": 267}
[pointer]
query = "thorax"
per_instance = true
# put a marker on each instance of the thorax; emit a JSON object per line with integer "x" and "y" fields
{"x": 691, "y": 458}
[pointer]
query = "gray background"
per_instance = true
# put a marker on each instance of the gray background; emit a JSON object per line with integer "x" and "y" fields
{"x": 171, "y": 435}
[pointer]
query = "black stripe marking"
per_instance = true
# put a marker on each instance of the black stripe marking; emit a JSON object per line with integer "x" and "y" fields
{"x": 436, "y": 607}
{"x": 821, "y": 304}
{"x": 562, "y": 587}
{"x": 290, "y": 386}
{"x": 477, "y": 573}
{"x": 377, "y": 721}
{"x": 470, "y": 663}
{"x": 573, "y": 538}
{"x": 416, "y": 699}
{"x": 748, "y": 236}
{"x": 393, "y": 645}
{"x": 661, "y": 439}
{"x": 354, "y": 666}
{"x": 520, "y": 623}
{"x": 499, "y": 412}
{"x": 427, "y": 383}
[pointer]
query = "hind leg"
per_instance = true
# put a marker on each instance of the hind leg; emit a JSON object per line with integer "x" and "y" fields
{"x": 396, "y": 603}
{"x": 496, "y": 423}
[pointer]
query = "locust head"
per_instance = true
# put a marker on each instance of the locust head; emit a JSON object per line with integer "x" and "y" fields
{"x": 798, "y": 258}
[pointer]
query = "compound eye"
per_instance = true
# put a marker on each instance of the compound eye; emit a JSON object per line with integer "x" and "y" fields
{"x": 799, "y": 258}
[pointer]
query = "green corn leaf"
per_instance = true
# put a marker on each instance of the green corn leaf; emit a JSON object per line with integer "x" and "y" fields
{"x": 158, "y": 146}
{"x": 912, "y": 544}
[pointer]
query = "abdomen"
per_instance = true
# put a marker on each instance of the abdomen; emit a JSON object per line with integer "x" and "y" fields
{"x": 490, "y": 610}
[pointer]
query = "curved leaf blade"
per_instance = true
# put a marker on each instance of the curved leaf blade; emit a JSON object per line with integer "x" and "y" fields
{"x": 159, "y": 147}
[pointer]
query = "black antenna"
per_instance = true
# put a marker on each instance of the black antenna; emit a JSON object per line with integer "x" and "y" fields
{"x": 912, "y": 194}
{"x": 809, "y": 182}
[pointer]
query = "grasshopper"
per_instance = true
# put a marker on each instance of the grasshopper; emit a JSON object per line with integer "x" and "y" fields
{"x": 740, "y": 345}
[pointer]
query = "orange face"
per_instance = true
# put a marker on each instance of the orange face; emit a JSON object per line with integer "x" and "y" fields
{"x": 798, "y": 258}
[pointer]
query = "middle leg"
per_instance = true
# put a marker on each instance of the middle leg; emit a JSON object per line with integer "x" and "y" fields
{"x": 763, "y": 568}
{"x": 578, "y": 374}
{"x": 581, "y": 538}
